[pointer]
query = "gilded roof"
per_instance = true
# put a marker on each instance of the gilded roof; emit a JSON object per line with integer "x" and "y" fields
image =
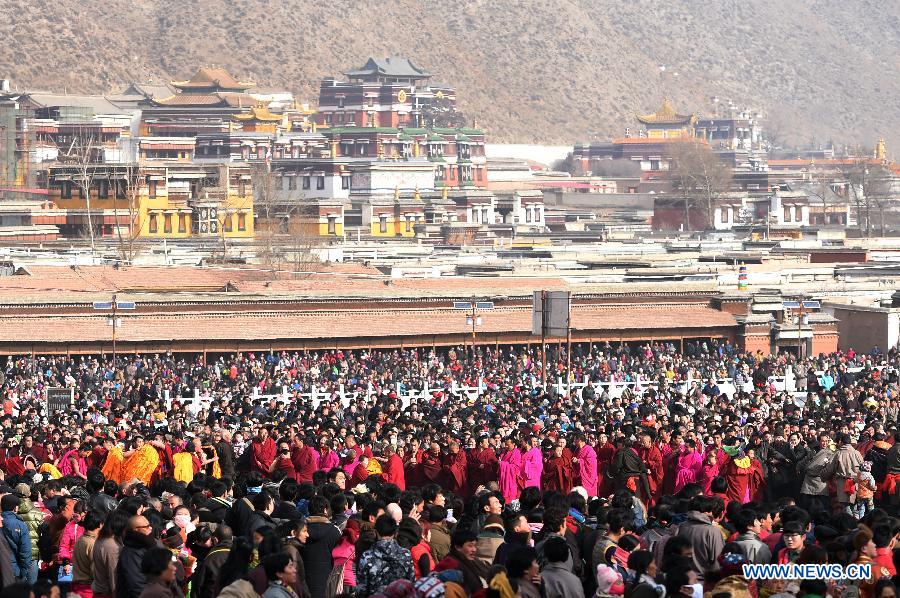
{"x": 666, "y": 115}
{"x": 260, "y": 113}
{"x": 215, "y": 78}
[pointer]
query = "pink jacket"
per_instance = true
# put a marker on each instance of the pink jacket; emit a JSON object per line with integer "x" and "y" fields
{"x": 345, "y": 552}
{"x": 70, "y": 535}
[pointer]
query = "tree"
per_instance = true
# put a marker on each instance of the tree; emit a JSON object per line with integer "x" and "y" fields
{"x": 869, "y": 185}
{"x": 699, "y": 176}
{"x": 128, "y": 190}
{"x": 85, "y": 156}
{"x": 821, "y": 189}
{"x": 442, "y": 113}
{"x": 287, "y": 228}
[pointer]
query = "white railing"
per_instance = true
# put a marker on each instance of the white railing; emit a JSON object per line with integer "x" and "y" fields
{"x": 316, "y": 394}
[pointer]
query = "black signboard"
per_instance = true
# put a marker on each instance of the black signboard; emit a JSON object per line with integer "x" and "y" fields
{"x": 59, "y": 399}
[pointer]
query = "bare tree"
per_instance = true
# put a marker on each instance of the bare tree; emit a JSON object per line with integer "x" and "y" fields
{"x": 287, "y": 231}
{"x": 699, "y": 176}
{"x": 821, "y": 189}
{"x": 128, "y": 190}
{"x": 83, "y": 153}
{"x": 869, "y": 186}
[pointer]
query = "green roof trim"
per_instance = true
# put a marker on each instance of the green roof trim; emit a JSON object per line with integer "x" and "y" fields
{"x": 462, "y": 137}
{"x": 415, "y": 130}
{"x": 341, "y": 130}
{"x": 434, "y": 137}
{"x": 437, "y": 159}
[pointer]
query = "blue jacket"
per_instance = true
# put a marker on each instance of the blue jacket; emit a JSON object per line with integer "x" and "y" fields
{"x": 19, "y": 539}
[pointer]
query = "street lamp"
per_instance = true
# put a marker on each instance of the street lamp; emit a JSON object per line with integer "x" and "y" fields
{"x": 473, "y": 319}
{"x": 800, "y": 311}
{"x": 113, "y": 320}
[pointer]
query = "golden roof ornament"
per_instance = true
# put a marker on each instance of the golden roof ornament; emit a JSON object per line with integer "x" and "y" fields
{"x": 881, "y": 150}
{"x": 397, "y": 193}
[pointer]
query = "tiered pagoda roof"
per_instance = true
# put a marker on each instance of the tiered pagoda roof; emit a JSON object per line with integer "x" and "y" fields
{"x": 666, "y": 115}
{"x": 212, "y": 80}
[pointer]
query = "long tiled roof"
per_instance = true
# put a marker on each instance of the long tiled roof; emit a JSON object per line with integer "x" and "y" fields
{"x": 347, "y": 324}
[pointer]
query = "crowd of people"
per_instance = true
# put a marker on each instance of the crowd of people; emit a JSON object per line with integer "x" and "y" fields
{"x": 521, "y": 491}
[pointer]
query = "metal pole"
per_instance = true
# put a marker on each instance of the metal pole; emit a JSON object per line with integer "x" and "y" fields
{"x": 544, "y": 340}
{"x": 569, "y": 346}
{"x": 114, "y": 331}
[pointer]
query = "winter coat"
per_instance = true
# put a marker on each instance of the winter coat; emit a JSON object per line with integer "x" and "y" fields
{"x": 316, "y": 553}
{"x": 489, "y": 540}
{"x": 706, "y": 539}
{"x": 560, "y": 582}
{"x": 257, "y": 520}
{"x": 6, "y": 572}
{"x": 130, "y": 580}
{"x": 277, "y": 591}
{"x": 105, "y": 557}
{"x": 382, "y": 564}
{"x": 33, "y": 518}
{"x": 156, "y": 588}
{"x": 239, "y": 589}
{"x": 19, "y": 539}
{"x": 847, "y": 461}
{"x": 754, "y": 549}
{"x": 292, "y": 547}
{"x": 814, "y": 481}
{"x": 440, "y": 541}
{"x": 204, "y": 581}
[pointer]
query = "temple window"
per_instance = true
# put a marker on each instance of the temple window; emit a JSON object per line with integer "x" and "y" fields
{"x": 320, "y": 182}
{"x": 167, "y": 223}
{"x": 153, "y": 226}
{"x": 242, "y": 221}
{"x": 306, "y": 182}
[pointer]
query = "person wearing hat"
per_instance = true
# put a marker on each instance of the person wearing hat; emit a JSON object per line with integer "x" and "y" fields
{"x": 18, "y": 537}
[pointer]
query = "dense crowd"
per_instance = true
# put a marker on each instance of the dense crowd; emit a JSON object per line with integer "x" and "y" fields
{"x": 665, "y": 490}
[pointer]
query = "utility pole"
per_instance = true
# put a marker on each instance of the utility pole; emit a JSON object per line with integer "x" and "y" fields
{"x": 544, "y": 340}
{"x": 473, "y": 319}
{"x": 113, "y": 320}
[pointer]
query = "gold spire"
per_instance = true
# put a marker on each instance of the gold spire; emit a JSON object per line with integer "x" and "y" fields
{"x": 881, "y": 150}
{"x": 397, "y": 193}
{"x": 445, "y": 192}
{"x": 417, "y": 195}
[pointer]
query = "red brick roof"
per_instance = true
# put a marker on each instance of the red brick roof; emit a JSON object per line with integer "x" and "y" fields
{"x": 344, "y": 324}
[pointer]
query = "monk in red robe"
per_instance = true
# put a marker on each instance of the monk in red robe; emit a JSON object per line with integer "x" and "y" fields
{"x": 360, "y": 473}
{"x": 650, "y": 455}
{"x": 432, "y": 464}
{"x": 455, "y": 471}
{"x": 412, "y": 465}
{"x": 304, "y": 459}
{"x": 605, "y": 453}
{"x": 483, "y": 464}
{"x": 559, "y": 470}
{"x": 744, "y": 478}
{"x": 262, "y": 452}
{"x": 392, "y": 468}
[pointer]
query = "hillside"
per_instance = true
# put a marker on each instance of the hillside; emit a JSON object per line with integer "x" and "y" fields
{"x": 529, "y": 71}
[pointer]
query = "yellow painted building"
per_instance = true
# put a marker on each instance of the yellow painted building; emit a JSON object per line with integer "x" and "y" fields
{"x": 173, "y": 201}
{"x": 396, "y": 217}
